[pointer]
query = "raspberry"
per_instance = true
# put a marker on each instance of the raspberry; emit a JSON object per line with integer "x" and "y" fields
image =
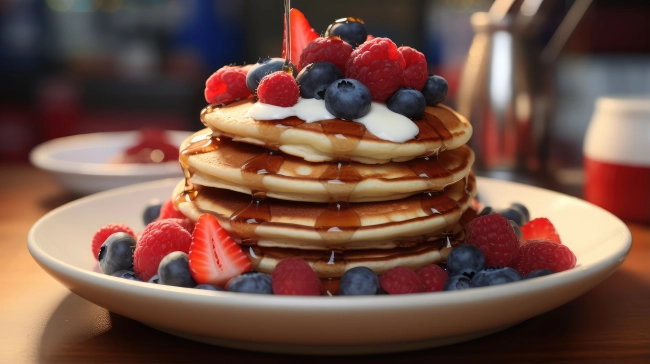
{"x": 400, "y": 280}
{"x": 104, "y": 232}
{"x": 185, "y": 223}
{"x": 543, "y": 254}
{"x": 167, "y": 211}
{"x": 157, "y": 240}
{"x": 279, "y": 89}
{"x": 227, "y": 84}
{"x": 415, "y": 72}
{"x": 433, "y": 278}
{"x": 293, "y": 276}
{"x": 331, "y": 49}
{"x": 540, "y": 229}
{"x": 496, "y": 238}
{"x": 379, "y": 66}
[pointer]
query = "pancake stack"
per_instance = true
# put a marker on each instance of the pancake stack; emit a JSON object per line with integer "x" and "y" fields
{"x": 330, "y": 192}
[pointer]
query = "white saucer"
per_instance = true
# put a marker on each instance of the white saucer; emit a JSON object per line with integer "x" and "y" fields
{"x": 80, "y": 163}
{"x": 60, "y": 243}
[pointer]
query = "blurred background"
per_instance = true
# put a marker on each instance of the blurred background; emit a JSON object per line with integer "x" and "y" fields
{"x": 81, "y": 66}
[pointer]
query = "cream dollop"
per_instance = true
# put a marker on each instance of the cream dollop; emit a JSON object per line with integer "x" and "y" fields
{"x": 380, "y": 121}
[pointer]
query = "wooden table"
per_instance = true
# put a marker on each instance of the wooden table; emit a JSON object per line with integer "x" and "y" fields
{"x": 41, "y": 321}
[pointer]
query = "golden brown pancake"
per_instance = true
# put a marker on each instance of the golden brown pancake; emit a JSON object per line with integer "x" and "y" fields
{"x": 248, "y": 168}
{"x": 441, "y": 128}
{"x": 304, "y": 225}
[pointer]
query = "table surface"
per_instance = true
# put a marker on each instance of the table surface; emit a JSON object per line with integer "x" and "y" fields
{"x": 42, "y": 322}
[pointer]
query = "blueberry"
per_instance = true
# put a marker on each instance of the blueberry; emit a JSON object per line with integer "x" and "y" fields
{"x": 155, "y": 279}
{"x": 208, "y": 287}
{"x": 126, "y": 274}
{"x": 151, "y": 212}
{"x": 408, "y": 102}
{"x": 538, "y": 273}
{"x": 517, "y": 229}
{"x": 492, "y": 276}
{"x": 175, "y": 271}
{"x": 255, "y": 282}
{"x": 523, "y": 209}
{"x": 486, "y": 211}
{"x": 435, "y": 90}
{"x": 351, "y": 30}
{"x": 359, "y": 281}
{"x": 465, "y": 260}
{"x": 262, "y": 68}
{"x": 457, "y": 283}
{"x": 514, "y": 214}
{"x": 348, "y": 99}
{"x": 314, "y": 79}
{"x": 116, "y": 253}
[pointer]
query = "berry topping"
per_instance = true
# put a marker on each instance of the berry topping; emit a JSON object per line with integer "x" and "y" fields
{"x": 352, "y": 30}
{"x": 208, "y": 287}
{"x": 435, "y": 90}
{"x": 157, "y": 240}
{"x": 348, "y": 99}
{"x": 126, "y": 274}
{"x": 496, "y": 238}
{"x": 155, "y": 279}
{"x": 301, "y": 34}
{"x": 104, "y": 232}
{"x": 293, "y": 276}
{"x": 214, "y": 257}
{"x": 279, "y": 89}
{"x": 226, "y": 85}
{"x": 379, "y": 66}
{"x": 433, "y": 277}
{"x": 540, "y": 229}
{"x": 515, "y": 214}
{"x": 175, "y": 271}
{"x": 314, "y": 79}
{"x": 116, "y": 253}
{"x": 465, "y": 260}
{"x": 185, "y": 223}
{"x": 457, "y": 283}
{"x": 523, "y": 209}
{"x": 543, "y": 254}
{"x": 415, "y": 72}
{"x": 401, "y": 280}
{"x": 151, "y": 212}
{"x": 168, "y": 211}
{"x": 328, "y": 49}
{"x": 251, "y": 282}
{"x": 152, "y": 147}
{"x": 407, "y": 102}
{"x": 359, "y": 281}
{"x": 370, "y": 37}
{"x": 538, "y": 273}
{"x": 491, "y": 276}
{"x": 262, "y": 68}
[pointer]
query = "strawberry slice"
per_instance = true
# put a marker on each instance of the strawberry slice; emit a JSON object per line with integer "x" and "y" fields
{"x": 214, "y": 257}
{"x": 301, "y": 34}
{"x": 540, "y": 229}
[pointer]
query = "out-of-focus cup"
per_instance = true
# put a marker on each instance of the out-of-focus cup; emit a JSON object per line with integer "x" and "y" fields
{"x": 617, "y": 157}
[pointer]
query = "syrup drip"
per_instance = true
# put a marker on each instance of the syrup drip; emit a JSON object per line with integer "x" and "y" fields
{"x": 337, "y": 223}
{"x": 254, "y": 170}
{"x": 245, "y": 220}
{"x": 272, "y": 130}
{"x": 344, "y": 136}
{"x": 201, "y": 144}
{"x": 332, "y": 262}
{"x": 430, "y": 168}
{"x": 432, "y": 128}
{"x": 287, "y": 21}
{"x": 339, "y": 180}
{"x": 205, "y": 111}
{"x": 436, "y": 203}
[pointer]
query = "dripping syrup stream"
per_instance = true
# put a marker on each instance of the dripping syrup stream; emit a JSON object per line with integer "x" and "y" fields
{"x": 287, "y": 18}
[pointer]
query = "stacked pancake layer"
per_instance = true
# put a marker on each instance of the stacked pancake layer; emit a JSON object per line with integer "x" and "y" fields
{"x": 330, "y": 192}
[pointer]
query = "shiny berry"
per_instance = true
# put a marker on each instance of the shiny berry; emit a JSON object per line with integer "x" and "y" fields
{"x": 279, "y": 89}
{"x": 415, "y": 71}
{"x": 262, "y": 68}
{"x": 400, "y": 280}
{"x": 116, "y": 253}
{"x": 496, "y": 238}
{"x": 293, "y": 276}
{"x": 435, "y": 90}
{"x": 174, "y": 270}
{"x": 407, "y": 102}
{"x": 326, "y": 49}
{"x": 251, "y": 282}
{"x": 492, "y": 276}
{"x": 351, "y": 30}
{"x": 314, "y": 79}
{"x": 348, "y": 99}
{"x": 465, "y": 260}
{"x": 378, "y": 65}
{"x": 457, "y": 283}
{"x": 359, "y": 281}
{"x": 538, "y": 273}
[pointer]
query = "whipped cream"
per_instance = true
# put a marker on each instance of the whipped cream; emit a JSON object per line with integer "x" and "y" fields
{"x": 380, "y": 121}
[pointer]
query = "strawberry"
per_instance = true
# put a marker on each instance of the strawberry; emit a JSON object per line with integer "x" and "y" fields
{"x": 540, "y": 229}
{"x": 168, "y": 211}
{"x": 301, "y": 34}
{"x": 214, "y": 257}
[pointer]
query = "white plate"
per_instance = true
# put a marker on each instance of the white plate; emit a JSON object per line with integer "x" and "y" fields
{"x": 60, "y": 243}
{"x": 79, "y": 162}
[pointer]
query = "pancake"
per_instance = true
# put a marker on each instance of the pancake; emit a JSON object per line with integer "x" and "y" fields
{"x": 305, "y": 225}
{"x": 440, "y": 128}
{"x": 248, "y": 168}
{"x": 332, "y": 264}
